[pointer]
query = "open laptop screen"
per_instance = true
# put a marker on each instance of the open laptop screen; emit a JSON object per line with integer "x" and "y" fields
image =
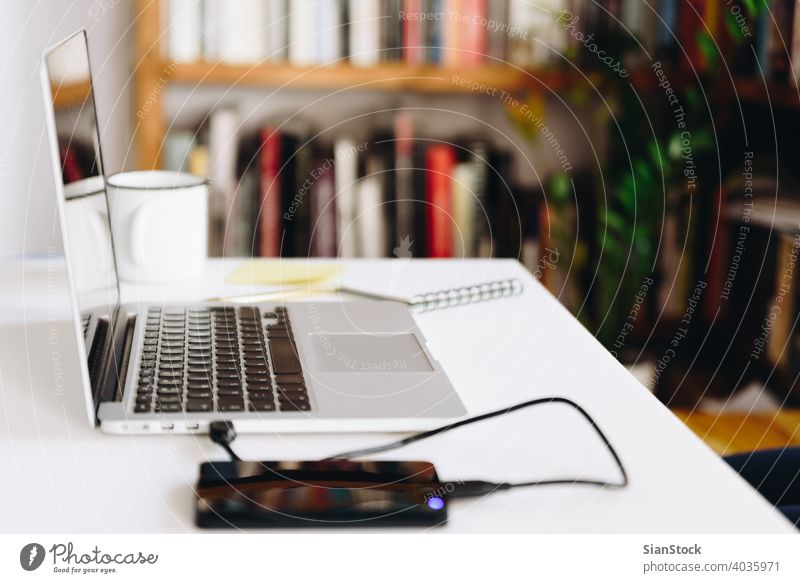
{"x": 87, "y": 236}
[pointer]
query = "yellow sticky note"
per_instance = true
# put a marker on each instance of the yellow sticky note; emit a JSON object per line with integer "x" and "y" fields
{"x": 282, "y": 272}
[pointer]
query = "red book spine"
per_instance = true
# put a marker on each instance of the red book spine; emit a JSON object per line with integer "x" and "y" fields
{"x": 473, "y": 38}
{"x": 412, "y": 32}
{"x": 269, "y": 218}
{"x": 439, "y": 163}
{"x": 690, "y": 24}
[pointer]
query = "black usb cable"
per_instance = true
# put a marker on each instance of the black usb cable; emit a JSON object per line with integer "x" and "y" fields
{"x": 222, "y": 433}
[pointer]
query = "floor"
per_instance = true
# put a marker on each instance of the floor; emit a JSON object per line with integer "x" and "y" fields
{"x": 751, "y": 420}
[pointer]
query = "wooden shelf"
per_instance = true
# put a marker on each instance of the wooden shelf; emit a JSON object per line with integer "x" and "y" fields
{"x": 384, "y": 77}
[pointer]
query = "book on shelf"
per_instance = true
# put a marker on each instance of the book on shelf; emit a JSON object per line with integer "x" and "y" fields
{"x": 269, "y": 192}
{"x": 452, "y": 33}
{"x": 440, "y": 161}
{"x": 275, "y": 28}
{"x": 366, "y": 22}
{"x": 328, "y": 41}
{"x": 463, "y": 202}
{"x": 279, "y": 189}
{"x": 405, "y": 203}
{"x": 371, "y": 210}
{"x": 184, "y": 30}
{"x": 414, "y": 34}
{"x": 345, "y": 175}
{"x": 392, "y": 32}
{"x": 223, "y": 125}
{"x": 323, "y": 209}
{"x": 245, "y": 218}
{"x": 302, "y": 50}
{"x": 497, "y": 37}
{"x": 241, "y": 31}
{"x": 177, "y": 150}
{"x": 296, "y": 202}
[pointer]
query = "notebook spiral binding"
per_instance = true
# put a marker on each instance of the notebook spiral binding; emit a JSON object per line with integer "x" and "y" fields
{"x": 470, "y": 294}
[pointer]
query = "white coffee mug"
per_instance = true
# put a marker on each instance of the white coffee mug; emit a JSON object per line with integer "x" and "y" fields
{"x": 160, "y": 224}
{"x": 89, "y": 240}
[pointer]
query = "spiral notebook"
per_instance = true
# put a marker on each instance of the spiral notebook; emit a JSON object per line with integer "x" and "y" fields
{"x": 448, "y": 298}
{"x": 426, "y": 302}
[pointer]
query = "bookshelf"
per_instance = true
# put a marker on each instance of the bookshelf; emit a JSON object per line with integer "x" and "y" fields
{"x": 153, "y": 73}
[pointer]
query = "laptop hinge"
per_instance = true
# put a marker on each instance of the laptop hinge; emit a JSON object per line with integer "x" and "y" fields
{"x": 110, "y": 382}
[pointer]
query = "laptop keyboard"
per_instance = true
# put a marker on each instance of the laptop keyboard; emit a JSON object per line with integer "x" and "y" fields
{"x": 223, "y": 359}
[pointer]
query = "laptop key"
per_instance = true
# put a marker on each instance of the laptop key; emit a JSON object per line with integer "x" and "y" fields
{"x": 289, "y": 379}
{"x": 296, "y": 396}
{"x": 198, "y": 405}
{"x": 230, "y": 404}
{"x": 199, "y": 375}
{"x": 141, "y": 408}
{"x": 258, "y": 369}
{"x": 262, "y": 405}
{"x": 170, "y": 368}
{"x": 198, "y": 393}
{"x": 193, "y": 361}
{"x": 290, "y": 406}
{"x": 168, "y": 407}
{"x": 257, "y": 380}
{"x": 204, "y": 385}
{"x": 168, "y": 399}
{"x": 278, "y": 333}
{"x": 232, "y": 381}
{"x": 284, "y": 358}
{"x": 259, "y": 394}
{"x": 232, "y": 375}
{"x": 228, "y": 367}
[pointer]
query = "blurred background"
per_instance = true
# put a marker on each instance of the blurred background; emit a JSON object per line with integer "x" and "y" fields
{"x": 637, "y": 156}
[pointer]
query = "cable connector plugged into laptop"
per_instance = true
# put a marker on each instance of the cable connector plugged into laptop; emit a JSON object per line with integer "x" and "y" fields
{"x": 222, "y": 433}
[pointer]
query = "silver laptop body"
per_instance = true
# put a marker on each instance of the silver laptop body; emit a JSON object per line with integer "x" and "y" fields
{"x": 292, "y": 367}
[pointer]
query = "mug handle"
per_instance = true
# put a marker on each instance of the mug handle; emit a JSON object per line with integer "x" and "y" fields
{"x": 98, "y": 223}
{"x": 141, "y": 257}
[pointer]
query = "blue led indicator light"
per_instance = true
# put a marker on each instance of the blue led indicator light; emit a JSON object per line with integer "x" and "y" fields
{"x": 435, "y": 503}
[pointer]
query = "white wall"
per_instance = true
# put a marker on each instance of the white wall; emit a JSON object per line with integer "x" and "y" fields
{"x": 27, "y": 209}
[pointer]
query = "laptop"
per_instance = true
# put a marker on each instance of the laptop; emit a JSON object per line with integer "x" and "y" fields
{"x": 267, "y": 367}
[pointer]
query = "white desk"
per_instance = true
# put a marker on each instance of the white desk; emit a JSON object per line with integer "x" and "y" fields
{"x": 61, "y": 475}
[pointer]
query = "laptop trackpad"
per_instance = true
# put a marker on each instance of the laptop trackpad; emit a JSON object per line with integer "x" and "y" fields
{"x": 369, "y": 353}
